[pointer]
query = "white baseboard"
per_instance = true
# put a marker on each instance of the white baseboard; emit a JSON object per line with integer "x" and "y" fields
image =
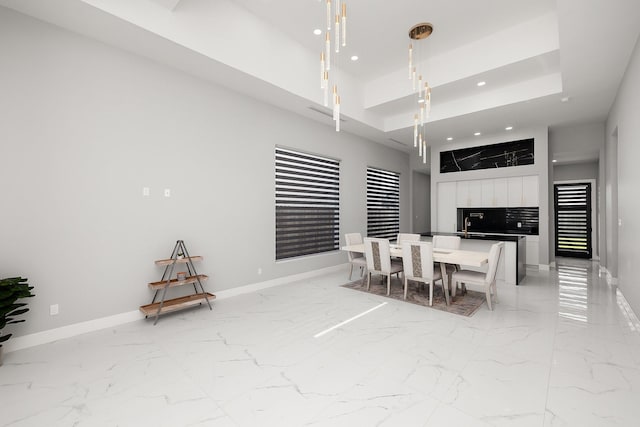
{"x": 543, "y": 267}
{"x": 609, "y": 277}
{"x": 632, "y": 320}
{"x": 228, "y": 293}
{"x": 50, "y": 335}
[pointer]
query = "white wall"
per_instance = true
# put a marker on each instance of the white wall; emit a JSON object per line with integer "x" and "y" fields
{"x": 623, "y": 130}
{"x": 602, "y": 208}
{"x": 581, "y": 142}
{"x": 611, "y": 202}
{"x": 575, "y": 171}
{"x": 540, "y": 168}
{"x": 85, "y": 127}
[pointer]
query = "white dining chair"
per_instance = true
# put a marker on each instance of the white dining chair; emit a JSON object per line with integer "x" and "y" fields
{"x": 378, "y": 255}
{"x": 447, "y": 242}
{"x": 407, "y": 237}
{"x": 355, "y": 258}
{"x": 417, "y": 259}
{"x": 486, "y": 280}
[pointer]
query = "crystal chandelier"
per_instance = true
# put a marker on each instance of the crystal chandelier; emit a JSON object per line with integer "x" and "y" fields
{"x": 336, "y": 16}
{"x": 420, "y": 86}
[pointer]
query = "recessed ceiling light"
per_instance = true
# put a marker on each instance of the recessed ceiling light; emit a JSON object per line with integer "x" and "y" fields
{"x": 508, "y": 128}
{"x": 481, "y": 83}
{"x": 449, "y": 138}
{"x": 565, "y": 99}
{"x": 553, "y": 161}
{"x": 354, "y": 58}
{"x": 477, "y": 134}
{"x": 317, "y": 31}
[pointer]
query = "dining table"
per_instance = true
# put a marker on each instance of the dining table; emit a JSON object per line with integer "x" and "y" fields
{"x": 442, "y": 256}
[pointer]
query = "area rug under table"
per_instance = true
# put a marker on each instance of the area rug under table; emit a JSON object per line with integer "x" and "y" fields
{"x": 464, "y": 305}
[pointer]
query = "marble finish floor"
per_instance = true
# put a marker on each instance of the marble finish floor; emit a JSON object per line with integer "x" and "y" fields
{"x": 560, "y": 350}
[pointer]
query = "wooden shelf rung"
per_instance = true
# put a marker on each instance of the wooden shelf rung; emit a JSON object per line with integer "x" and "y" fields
{"x": 175, "y": 282}
{"x": 176, "y": 304}
{"x": 163, "y": 262}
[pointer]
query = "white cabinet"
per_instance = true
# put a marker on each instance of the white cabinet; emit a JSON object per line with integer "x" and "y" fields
{"x": 530, "y": 191}
{"x": 462, "y": 194}
{"x": 447, "y": 214}
{"x": 468, "y": 194}
{"x": 493, "y": 193}
{"x": 487, "y": 199}
{"x": 533, "y": 247}
{"x": 509, "y": 261}
{"x": 500, "y": 192}
{"x": 517, "y": 191}
{"x": 474, "y": 198}
{"x": 522, "y": 191}
{"x": 514, "y": 191}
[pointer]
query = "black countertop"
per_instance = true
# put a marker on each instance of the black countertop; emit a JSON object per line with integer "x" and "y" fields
{"x": 477, "y": 236}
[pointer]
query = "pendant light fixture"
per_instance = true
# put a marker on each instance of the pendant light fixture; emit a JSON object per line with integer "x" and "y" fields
{"x": 420, "y": 86}
{"x": 336, "y": 11}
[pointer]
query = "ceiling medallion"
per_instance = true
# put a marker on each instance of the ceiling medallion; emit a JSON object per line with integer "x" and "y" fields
{"x": 420, "y": 31}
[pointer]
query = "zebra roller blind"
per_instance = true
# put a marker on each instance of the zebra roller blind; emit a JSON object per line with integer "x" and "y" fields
{"x": 383, "y": 203}
{"x": 307, "y": 204}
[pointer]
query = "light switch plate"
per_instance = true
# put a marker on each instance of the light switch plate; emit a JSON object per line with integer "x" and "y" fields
{"x": 167, "y": 192}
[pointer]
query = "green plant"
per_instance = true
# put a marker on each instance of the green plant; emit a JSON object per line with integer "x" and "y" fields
{"x": 11, "y": 290}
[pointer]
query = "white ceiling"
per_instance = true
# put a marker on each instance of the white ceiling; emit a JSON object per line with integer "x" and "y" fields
{"x": 530, "y": 53}
{"x": 378, "y": 31}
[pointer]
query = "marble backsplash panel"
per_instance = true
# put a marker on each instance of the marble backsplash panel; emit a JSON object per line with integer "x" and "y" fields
{"x": 505, "y": 154}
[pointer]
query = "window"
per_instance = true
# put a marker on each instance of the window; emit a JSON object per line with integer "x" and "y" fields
{"x": 307, "y": 204}
{"x": 383, "y": 203}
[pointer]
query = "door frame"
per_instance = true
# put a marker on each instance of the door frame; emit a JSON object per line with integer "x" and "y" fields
{"x": 595, "y": 231}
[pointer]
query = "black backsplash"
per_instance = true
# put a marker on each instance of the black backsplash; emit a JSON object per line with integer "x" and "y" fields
{"x": 500, "y": 220}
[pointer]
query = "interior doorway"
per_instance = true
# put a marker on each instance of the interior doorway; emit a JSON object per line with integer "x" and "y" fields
{"x": 573, "y": 220}
{"x": 421, "y": 202}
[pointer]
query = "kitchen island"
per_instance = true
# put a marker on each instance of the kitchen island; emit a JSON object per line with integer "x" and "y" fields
{"x": 512, "y": 265}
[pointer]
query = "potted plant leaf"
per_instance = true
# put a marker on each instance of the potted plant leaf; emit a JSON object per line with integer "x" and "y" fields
{"x": 11, "y": 290}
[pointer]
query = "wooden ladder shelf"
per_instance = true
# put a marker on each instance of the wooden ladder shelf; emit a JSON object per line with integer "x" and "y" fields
{"x": 160, "y": 305}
